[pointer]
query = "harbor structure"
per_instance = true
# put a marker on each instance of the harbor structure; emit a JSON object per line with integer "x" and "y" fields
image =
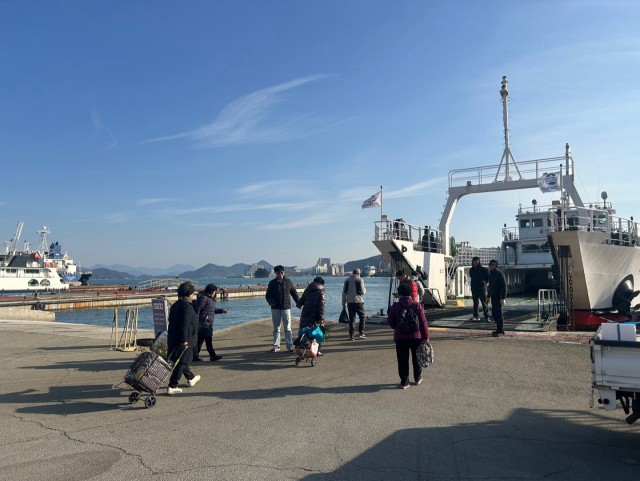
{"x": 251, "y": 272}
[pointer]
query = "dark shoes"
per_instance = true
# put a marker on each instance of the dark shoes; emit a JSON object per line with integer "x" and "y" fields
{"x": 215, "y": 358}
{"x": 351, "y": 338}
{"x": 497, "y": 334}
{"x": 197, "y": 359}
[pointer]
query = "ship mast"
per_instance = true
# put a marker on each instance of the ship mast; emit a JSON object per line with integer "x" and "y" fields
{"x": 42, "y": 249}
{"x": 507, "y": 156}
{"x": 16, "y": 238}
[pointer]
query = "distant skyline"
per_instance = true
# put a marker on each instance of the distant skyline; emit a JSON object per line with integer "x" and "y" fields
{"x": 160, "y": 133}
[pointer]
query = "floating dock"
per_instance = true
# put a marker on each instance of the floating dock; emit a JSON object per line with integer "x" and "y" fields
{"x": 98, "y": 297}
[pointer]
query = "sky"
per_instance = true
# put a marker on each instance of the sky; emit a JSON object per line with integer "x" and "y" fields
{"x": 151, "y": 133}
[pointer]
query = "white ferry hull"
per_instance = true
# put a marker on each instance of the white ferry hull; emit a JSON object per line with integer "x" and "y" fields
{"x": 598, "y": 268}
{"x": 30, "y": 283}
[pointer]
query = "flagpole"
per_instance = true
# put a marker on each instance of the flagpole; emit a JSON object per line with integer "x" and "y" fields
{"x": 380, "y": 206}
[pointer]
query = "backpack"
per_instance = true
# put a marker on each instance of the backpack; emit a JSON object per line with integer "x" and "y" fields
{"x": 408, "y": 322}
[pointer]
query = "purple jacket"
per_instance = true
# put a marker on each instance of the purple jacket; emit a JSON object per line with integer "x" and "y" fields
{"x": 394, "y": 315}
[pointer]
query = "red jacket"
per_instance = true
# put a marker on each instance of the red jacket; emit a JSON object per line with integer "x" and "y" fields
{"x": 394, "y": 316}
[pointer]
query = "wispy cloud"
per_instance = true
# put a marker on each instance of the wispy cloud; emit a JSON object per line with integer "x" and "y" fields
{"x": 209, "y": 224}
{"x": 319, "y": 219}
{"x": 273, "y": 189}
{"x": 243, "y": 121}
{"x": 100, "y": 128}
{"x": 430, "y": 186}
{"x": 117, "y": 218}
{"x": 154, "y": 201}
{"x": 283, "y": 206}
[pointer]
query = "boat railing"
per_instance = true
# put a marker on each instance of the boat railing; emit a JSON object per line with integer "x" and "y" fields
{"x": 622, "y": 232}
{"x": 510, "y": 234}
{"x": 529, "y": 169}
{"x": 423, "y": 238}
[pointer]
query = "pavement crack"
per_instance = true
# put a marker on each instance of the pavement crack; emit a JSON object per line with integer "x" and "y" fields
{"x": 77, "y": 440}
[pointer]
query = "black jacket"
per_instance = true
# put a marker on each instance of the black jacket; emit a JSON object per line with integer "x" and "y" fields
{"x": 183, "y": 325}
{"x": 278, "y": 294}
{"x": 497, "y": 285}
{"x": 312, "y": 304}
{"x": 479, "y": 278}
{"x": 205, "y": 308}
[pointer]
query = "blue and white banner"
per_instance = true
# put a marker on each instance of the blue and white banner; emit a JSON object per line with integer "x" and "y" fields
{"x": 373, "y": 201}
{"x": 550, "y": 182}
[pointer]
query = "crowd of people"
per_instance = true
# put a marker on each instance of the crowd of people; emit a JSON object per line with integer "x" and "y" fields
{"x": 191, "y": 322}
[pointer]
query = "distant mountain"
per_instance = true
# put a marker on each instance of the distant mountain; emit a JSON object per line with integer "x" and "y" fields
{"x": 265, "y": 264}
{"x": 213, "y": 270}
{"x": 360, "y": 264}
{"x": 146, "y": 271}
{"x": 102, "y": 274}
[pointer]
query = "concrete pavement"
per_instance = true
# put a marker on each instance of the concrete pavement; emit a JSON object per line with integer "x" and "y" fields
{"x": 507, "y": 408}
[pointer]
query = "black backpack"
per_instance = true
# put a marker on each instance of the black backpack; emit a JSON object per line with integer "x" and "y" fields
{"x": 408, "y": 322}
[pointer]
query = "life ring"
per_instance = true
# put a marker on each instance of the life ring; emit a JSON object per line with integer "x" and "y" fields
{"x": 40, "y": 306}
{"x": 225, "y": 295}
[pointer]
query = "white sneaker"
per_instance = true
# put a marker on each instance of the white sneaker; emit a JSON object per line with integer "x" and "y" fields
{"x": 192, "y": 382}
{"x": 173, "y": 390}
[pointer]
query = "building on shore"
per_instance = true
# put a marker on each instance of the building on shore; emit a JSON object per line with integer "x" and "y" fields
{"x": 466, "y": 253}
{"x": 251, "y": 272}
{"x": 325, "y": 266}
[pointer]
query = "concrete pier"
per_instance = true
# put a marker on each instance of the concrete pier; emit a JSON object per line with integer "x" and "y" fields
{"x": 508, "y": 408}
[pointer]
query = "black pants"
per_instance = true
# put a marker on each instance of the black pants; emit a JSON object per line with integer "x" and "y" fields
{"x": 479, "y": 295}
{"x": 403, "y": 347}
{"x": 496, "y": 313}
{"x": 209, "y": 342}
{"x": 182, "y": 368}
{"x": 354, "y": 309}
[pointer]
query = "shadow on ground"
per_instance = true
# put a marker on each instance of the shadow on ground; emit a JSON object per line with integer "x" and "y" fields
{"x": 530, "y": 444}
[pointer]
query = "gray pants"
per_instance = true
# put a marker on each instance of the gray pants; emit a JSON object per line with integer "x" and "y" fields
{"x": 282, "y": 316}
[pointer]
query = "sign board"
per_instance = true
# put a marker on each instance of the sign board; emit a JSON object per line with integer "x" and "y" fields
{"x": 160, "y": 315}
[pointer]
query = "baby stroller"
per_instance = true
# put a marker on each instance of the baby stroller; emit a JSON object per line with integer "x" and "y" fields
{"x": 149, "y": 371}
{"x": 308, "y": 344}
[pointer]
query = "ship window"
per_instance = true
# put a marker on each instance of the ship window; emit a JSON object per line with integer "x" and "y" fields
{"x": 12, "y": 271}
{"x": 535, "y": 248}
{"x": 32, "y": 271}
{"x": 45, "y": 282}
{"x": 33, "y": 282}
{"x": 537, "y": 222}
{"x": 525, "y": 223}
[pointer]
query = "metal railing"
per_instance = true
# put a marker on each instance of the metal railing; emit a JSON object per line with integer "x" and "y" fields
{"x": 510, "y": 233}
{"x": 622, "y": 232}
{"x": 529, "y": 169}
{"x": 168, "y": 283}
{"x": 424, "y": 238}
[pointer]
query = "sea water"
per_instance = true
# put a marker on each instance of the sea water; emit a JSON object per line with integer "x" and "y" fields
{"x": 241, "y": 310}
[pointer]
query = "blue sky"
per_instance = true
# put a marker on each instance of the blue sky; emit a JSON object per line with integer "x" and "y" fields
{"x": 154, "y": 133}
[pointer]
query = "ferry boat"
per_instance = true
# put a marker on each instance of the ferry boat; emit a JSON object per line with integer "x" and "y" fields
{"x": 45, "y": 269}
{"x": 370, "y": 271}
{"x": 595, "y": 254}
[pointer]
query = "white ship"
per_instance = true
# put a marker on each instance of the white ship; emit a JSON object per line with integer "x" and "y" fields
{"x": 369, "y": 271}
{"x": 596, "y": 254}
{"x": 23, "y": 271}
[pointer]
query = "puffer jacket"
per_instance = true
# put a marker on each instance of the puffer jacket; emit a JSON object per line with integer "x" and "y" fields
{"x": 353, "y": 290}
{"x": 479, "y": 278}
{"x": 395, "y": 311}
{"x": 205, "y": 308}
{"x": 278, "y": 294}
{"x": 497, "y": 285}
{"x": 312, "y": 304}
{"x": 183, "y": 325}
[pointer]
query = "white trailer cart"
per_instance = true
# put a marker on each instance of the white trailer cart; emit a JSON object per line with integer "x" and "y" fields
{"x": 615, "y": 369}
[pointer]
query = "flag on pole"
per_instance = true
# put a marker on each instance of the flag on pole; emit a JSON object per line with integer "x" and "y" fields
{"x": 373, "y": 201}
{"x": 550, "y": 182}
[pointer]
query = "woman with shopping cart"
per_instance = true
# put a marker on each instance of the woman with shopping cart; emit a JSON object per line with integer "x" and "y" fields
{"x": 312, "y": 305}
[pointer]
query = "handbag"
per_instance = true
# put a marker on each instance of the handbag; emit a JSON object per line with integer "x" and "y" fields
{"x": 424, "y": 354}
{"x": 344, "y": 317}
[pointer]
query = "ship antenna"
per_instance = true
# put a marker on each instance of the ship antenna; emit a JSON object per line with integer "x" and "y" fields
{"x": 42, "y": 250}
{"x": 507, "y": 156}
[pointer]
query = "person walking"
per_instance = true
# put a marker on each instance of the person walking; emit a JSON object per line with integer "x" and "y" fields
{"x": 182, "y": 337}
{"x": 497, "y": 295}
{"x": 205, "y": 308}
{"x": 416, "y": 280}
{"x": 406, "y": 317}
{"x": 352, "y": 293}
{"x": 479, "y": 277}
{"x": 405, "y": 279}
{"x": 278, "y": 292}
{"x": 312, "y": 305}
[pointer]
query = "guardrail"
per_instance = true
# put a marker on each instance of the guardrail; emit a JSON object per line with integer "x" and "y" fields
{"x": 510, "y": 233}
{"x": 622, "y": 232}
{"x": 424, "y": 238}
{"x": 529, "y": 169}
{"x": 167, "y": 283}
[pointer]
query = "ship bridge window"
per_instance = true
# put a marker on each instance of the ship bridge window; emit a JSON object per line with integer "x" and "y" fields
{"x": 32, "y": 271}
{"x": 535, "y": 248}
{"x": 12, "y": 271}
{"x": 537, "y": 222}
{"x": 525, "y": 223}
